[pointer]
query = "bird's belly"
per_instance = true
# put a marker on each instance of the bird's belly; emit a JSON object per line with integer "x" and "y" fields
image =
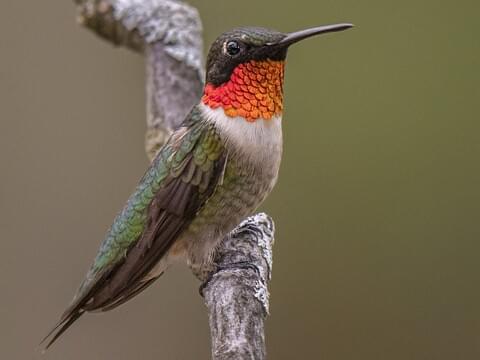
{"x": 243, "y": 189}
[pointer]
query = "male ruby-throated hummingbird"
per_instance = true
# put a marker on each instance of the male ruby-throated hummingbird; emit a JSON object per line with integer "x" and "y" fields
{"x": 214, "y": 171}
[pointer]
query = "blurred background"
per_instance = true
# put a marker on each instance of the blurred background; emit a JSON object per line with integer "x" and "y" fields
{"x": 377, "y": 207}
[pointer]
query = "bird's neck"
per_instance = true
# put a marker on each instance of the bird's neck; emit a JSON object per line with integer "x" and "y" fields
{"x": 254, "y": 91}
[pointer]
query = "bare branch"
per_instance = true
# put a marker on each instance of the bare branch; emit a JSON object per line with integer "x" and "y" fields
{"x": 170, "y": 33}
{"x": 236, "y": 294}
{"x": 135, "y": 23}
{"x": 98, "y": 15}
{"x": 173, "y": 88}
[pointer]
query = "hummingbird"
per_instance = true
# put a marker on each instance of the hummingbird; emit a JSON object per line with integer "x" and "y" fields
{"x": 215, "y": 170}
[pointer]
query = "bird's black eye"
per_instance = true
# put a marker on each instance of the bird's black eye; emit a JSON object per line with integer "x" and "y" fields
{"x": 232, "y": 48}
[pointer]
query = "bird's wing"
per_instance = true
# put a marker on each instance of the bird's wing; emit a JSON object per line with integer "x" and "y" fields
{"x": 191, "y": 181}
{"x": 180, "y": 180}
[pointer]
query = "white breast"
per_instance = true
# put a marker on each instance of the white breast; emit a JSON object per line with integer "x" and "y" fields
{"x": 260, "y": 141}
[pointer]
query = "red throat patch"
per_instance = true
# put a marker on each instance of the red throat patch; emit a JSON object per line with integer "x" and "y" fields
{"x": 255, "y": 90}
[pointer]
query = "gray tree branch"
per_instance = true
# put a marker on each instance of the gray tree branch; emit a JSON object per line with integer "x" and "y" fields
{"x": 169, "y": 33}
{"x": 236, "y": 294}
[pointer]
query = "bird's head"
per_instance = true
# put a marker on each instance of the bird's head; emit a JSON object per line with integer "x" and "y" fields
{"x": 245, "y": 70}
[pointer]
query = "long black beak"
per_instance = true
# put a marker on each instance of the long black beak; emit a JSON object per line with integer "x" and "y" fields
{"x": 297, "y": 36}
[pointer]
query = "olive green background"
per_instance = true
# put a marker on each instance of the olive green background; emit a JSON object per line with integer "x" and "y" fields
{"x": 377, "y": 206}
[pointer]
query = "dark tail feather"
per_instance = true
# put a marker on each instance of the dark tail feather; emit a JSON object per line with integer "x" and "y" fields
{"x": 61, "y": 327}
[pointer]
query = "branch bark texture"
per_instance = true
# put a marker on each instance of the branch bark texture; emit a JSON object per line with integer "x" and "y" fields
{"x": 169, "y": 34}
{"x": 236, "y": 294}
